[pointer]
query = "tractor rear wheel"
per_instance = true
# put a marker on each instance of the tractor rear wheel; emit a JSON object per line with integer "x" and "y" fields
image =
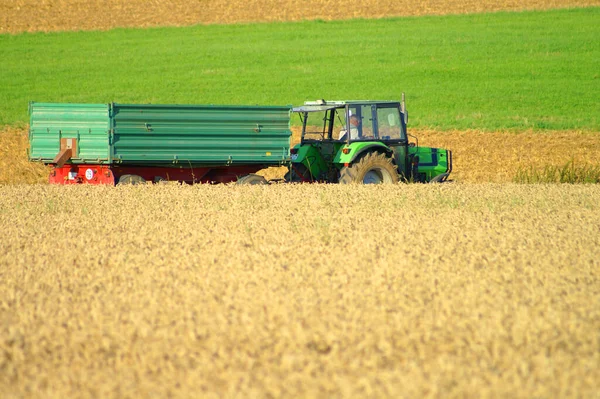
{"x": 373, "y": 168}
{"x": 252, "y": 179}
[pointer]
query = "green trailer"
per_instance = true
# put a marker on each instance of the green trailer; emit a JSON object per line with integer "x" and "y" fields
{"x": 111, "y": 143}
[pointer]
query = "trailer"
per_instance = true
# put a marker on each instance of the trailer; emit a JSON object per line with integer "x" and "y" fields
{"x": 132, "y": 143}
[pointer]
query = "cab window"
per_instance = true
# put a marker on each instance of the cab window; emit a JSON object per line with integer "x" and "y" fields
{"x": 318, "y": 124}
{"x": 389, "y": 123}
{"x": 361, "y": 122}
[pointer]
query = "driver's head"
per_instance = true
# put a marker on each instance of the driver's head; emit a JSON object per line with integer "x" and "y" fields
{"x": 354, "y": 120}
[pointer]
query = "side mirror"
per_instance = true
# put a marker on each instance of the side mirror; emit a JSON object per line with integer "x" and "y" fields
{"x": 416, "y": 143}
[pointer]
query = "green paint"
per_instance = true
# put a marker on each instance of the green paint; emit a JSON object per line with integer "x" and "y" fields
{"x": 311, "y": 157}
{"x": 432, "y": 161}
{"x": 162, "y": 135}
{"x": 378, "y": 128}
{"x": 355, "y": 149}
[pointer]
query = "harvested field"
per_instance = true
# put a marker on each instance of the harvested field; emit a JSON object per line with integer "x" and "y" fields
{"x": 496, "y": 157}
{"x": 300, "y": 291}
{"x": 479, "y": 157}
{"x": 61, "y": 15}
{"x": 15, "y": 167}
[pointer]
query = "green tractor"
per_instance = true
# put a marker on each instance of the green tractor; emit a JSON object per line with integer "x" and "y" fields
{"x": 362, "y": 142}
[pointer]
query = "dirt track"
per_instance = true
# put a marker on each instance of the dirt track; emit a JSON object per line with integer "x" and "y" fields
{"x": 61, "y": 15}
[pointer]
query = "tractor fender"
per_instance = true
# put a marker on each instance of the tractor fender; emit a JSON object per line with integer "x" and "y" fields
{"x": 300, "y": 152}
{"x": 355, "y": 150}
{"x": 310, "y": 157}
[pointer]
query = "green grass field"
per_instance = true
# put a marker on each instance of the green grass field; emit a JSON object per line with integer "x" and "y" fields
{"x": 486, "y": 71}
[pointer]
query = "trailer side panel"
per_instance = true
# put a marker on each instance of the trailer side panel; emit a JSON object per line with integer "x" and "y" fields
{"x": 200, "y": 135}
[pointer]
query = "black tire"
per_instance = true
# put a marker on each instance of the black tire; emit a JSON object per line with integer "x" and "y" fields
{"x": 298, "y": 173}
{"x": 252, "y": 179}
{"x": 373, "y": 168}
{"x": 131, "y": 179}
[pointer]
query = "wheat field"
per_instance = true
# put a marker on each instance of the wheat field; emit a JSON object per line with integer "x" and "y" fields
{"x": 316, "y": 291}
{"x": 398, "y": 291}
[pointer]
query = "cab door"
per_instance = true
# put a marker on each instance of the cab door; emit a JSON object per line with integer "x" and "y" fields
{"x": 391, "y": 130}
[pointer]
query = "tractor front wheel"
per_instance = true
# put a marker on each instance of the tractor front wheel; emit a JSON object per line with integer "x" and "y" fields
{"x": 373, "y": 168}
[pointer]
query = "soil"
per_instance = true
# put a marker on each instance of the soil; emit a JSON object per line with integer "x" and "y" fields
{"x": 66, "y": 15}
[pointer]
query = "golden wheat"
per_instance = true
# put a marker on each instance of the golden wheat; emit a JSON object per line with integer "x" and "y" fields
{"x": 300, "y": 291}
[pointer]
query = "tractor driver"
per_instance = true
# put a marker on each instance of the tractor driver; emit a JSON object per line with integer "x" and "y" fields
{"x": 354, "y": 122}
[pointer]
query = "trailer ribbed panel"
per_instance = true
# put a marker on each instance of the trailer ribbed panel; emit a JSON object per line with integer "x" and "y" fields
{"x": 158, "y": 135}
{"x": 87, "y": 124}
{"x": 186, "y": 134}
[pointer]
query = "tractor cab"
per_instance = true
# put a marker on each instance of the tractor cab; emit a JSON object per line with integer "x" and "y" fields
{"x": 342, "y": 139}
{"x": 350, "y": 121}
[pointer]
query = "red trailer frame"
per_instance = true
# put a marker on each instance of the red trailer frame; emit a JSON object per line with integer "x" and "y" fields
{"x": 110, "y": 174}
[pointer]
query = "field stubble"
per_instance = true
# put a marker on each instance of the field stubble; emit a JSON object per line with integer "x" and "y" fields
{"x": 300, "y": 290}
{"x": 497, "y": 157}
{"x": 60, "y": 15}
{"x": 478, "y": 156}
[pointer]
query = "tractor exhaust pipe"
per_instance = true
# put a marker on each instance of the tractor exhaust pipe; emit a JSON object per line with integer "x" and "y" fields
{"x": 403, "y": 109}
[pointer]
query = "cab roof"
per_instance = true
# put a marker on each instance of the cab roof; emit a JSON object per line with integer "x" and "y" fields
{"x": 322, "y": 105}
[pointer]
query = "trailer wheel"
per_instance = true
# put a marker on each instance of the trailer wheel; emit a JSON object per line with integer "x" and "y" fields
{"x": 131, "y": 179}
{"x": 252, "y": 179}
{"x": 373, "y": 168}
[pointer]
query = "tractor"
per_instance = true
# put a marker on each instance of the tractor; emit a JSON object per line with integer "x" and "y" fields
{"x": 362, "y": 142}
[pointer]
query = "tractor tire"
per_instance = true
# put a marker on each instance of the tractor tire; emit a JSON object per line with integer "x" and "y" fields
{"x": 252, "y": 179}
{"x": 131, "y": 180}
{"x": 373, "y": 168}
{"x": 298, "y": 173}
